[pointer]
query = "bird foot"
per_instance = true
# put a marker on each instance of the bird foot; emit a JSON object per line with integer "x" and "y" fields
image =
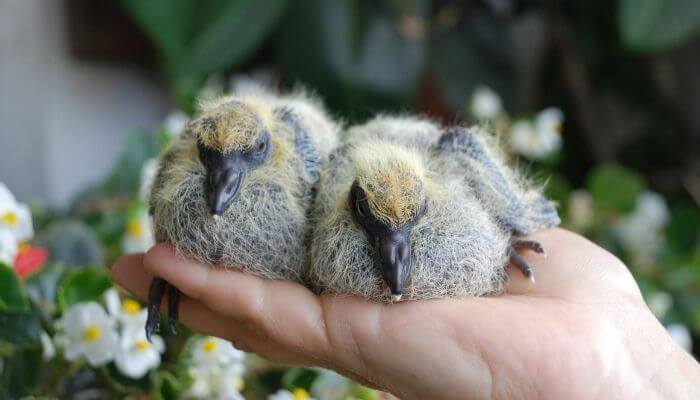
{"x": 522, "y": 264}
{"x": 156, "y": 292}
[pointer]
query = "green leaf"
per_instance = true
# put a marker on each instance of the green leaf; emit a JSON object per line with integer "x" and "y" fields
{"x": 42, "y": 288}
{"x": 615, "y": 188}
{"x": 197, "y": 38}
{"x": 354, "y": 53}
{"x": 230, "y": 36}
{"x": 22, "y": 372}
{"x": 298, "y": 378}
{"x": 683, "y": 231}
{"x": 19, "y": 327}
{"x": 126, "y": 172}
{"x": 169, "y": 24}
{"x": 12, "y": 295}
{"x": 84, "y": 285}
{"x": 166, "y": 386}
{"x": 653, "y": 25}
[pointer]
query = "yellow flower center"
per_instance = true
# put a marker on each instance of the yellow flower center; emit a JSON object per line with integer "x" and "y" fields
{"x": 92, "y": 333}
{"x": 130, "y": 306}
{"x": 134, "y": 228}
{"x": 24, "y": 247}
{"x": 238, "y": 383}
{"x": 209, "y": 345}
{"x": 10, "y": 218}
{"x": 300, "y": 394}
{"x": 142, "y": 345}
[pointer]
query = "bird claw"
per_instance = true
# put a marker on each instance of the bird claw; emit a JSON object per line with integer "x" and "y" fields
{"x": 522, "y": 264}
{"x": 156, "y": 292}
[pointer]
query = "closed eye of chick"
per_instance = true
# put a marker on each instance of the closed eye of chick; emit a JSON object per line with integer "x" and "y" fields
{"x": 429, "y": 214}
{"x": 235, "y": 188}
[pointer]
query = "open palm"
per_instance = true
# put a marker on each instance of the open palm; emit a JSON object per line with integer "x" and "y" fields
{"x": 582, "y": 331}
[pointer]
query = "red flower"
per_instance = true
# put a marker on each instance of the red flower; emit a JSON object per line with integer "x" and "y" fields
{"x": 29, "y": 259}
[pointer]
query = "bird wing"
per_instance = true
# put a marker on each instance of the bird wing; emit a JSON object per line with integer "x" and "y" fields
{"x": 308, "y": 152}
{"x": 517, "y": 207}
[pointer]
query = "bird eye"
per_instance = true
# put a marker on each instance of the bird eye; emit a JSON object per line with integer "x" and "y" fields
{"x": 361, "y": 209}
{"x": 262, "y": 147}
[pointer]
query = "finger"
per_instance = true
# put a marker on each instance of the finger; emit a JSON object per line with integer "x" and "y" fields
{"x": 280, "y": 311}
{"x": 128, "y": 271}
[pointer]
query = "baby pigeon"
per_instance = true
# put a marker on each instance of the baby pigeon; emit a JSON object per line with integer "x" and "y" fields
{"x": 406, "y": 208}
{"x": 235, "y": 188}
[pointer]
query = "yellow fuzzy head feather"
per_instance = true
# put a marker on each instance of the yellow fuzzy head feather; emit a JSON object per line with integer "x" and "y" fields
{"x": 229, "y": 124}
{"x": 392, "y": 179}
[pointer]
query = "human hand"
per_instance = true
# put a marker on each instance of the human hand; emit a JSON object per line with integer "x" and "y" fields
{"x": 582, "y": 331}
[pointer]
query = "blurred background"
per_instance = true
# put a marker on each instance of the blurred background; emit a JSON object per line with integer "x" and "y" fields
{"x": 599, "y": 99}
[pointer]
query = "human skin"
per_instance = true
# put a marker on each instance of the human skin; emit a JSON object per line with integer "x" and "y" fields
{"x": 582, "y": 331}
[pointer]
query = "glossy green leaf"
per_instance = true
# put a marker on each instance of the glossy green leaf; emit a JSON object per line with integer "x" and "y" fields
{"x": 197, "y": 38}
{"x": 21, "y": 372}
{"x": 298, "y": 378}
{"x": 354, "y": 53}
{"x": 653, "y": 25}
{"x": 615, "y": 188}
{"x": 166, "y": 386}
{"x": 19, "y": 327}
{"x": 683, "y": 232}
{"x": 84, "y": 285}
{"x": 12, "y": 295}
{"x": 42, "y": 288}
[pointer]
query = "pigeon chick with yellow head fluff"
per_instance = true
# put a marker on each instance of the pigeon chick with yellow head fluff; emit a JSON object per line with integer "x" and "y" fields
{"x": 408, "y": 209}
{"x": 235, "y": 188}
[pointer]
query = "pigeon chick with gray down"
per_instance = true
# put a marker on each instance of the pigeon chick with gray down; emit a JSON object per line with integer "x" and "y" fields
{"x": 235, "y": 188}
{"x": 408, "y": 209}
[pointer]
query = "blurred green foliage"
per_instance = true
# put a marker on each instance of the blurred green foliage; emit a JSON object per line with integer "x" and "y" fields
{"x": 624, "y": 72}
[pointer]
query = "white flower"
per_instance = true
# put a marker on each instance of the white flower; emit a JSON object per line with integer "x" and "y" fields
{"x": 15, "y": 217}
{"x": 175, "y": 122}
{"x": 89, "y": 333}
{"x": 640, "y": 232}
{"x": 139, "y": 233}
{"x": 536, "y": 140}
{"x": 652, "y": 207}
{"x": 148, "y": 175}
{"x": 549, "y": 121}
{"x": 298, "y": 394}
{"x": 48, "y": 351}
{"x": 210, "y": 351}
{"x": 260, "y": 80}
{"x": 681, "y": 335}
{"x": 485, "y": 104}
{"x": 330, "y": 385}
{"x": 659, "y": 303}
{"x": 128, "y": 312}
{"x": 217, "y": 369}
{"x": 211, "y": 381}
{"x": 230, "y": 382}
{"x": 580, "y": 209}
{"x": 137, "y": 355}
{"x": 523, "y": 139}
{"x": 9, "y": 247}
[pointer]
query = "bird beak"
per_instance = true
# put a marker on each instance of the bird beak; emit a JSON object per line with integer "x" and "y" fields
{"x": 223, "y": 188}
{"x": 394, "y": 251}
